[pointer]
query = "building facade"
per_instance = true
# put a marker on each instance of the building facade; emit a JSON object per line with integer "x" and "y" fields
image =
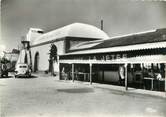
{"x": 86, "y": 53}
{"x": 136, "y": 60}
{"x": 64, "y": 39}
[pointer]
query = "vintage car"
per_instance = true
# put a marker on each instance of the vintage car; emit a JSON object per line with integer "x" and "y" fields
{"x": 22, "y": 70}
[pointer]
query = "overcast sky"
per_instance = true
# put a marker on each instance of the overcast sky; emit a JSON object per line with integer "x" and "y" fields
{"x": 120, "y": 16}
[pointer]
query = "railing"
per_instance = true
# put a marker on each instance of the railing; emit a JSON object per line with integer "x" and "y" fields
{"x": 158, "y": 81}
{"x": 77, "y": 76}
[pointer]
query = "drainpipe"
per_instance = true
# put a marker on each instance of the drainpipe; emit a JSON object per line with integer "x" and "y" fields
{"x": 72, "y": 72}
{"x": 90, "y": 65}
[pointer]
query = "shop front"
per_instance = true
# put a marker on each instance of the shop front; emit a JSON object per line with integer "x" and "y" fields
{"x": 142, "y": 69}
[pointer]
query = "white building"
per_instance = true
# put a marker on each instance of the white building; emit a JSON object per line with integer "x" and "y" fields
{"x": 64, "y": 39}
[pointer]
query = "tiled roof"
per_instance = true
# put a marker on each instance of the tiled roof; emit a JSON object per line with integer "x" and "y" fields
{"x": 158, "y": 36}
{"x": 144, "y": 46}
{"x": 138, "y": 41}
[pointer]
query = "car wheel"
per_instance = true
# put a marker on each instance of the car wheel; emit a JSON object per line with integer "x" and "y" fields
{"x": 7, "y": 75}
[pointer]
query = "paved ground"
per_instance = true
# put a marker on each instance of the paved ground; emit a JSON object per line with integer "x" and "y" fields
{"x": 48, "y": 97}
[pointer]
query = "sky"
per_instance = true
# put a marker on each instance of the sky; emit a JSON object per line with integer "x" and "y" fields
{"x": 120, "y": 16}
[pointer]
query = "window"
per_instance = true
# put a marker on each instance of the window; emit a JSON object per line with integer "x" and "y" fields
{"x": 40, "y": 32}
{"x": 23, "y": 66}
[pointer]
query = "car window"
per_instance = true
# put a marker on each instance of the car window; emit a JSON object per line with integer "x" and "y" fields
{"x": 23, "y": 66}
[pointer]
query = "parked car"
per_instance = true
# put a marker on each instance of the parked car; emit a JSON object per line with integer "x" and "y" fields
{"x": 4, "y": 70}
{"x": 22, "y": 70}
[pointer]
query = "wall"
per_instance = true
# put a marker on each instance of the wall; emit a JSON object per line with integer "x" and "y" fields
{"x": 112, "y": 76}
{"x": 109, "y": 76}
{"x": 44, "y": 55}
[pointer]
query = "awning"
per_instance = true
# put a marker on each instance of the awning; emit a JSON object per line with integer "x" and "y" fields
{"x": 138, "y": 59}
{"x": 122, "y": 48}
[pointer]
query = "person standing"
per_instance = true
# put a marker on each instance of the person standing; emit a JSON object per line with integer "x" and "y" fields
{"x": 121, "y": 75}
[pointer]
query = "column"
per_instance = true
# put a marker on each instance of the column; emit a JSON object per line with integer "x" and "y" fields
{"x": 102, "y": 75}
{"x": 59, "y": 71}
{"x": 90, "y": 74}
{"x": 126, "y": 76}
{"x": 142, "y": 76}
{"x": 73, "y": 72}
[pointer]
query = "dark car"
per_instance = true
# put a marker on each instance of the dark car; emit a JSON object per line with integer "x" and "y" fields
{"x": 4, "y": 70}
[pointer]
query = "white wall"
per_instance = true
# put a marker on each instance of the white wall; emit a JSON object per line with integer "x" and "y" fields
{"x": 33, "y": 34}
{"x": 44, "y": 55}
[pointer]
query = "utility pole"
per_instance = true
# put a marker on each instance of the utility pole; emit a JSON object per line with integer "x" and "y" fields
{"x": 102, "y": 25}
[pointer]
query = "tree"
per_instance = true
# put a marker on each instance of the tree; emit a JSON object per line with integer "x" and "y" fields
{"x": 53, "y": 52}
{"x": 4, "y": 60}
{"x": 52, "y": 57}
{"x": 15, "y": 51}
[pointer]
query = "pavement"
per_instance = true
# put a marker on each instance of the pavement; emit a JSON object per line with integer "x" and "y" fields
{"x": 121, "y": 89}
{"x": 132, "y": 90}
{"x": 46, "y": 96}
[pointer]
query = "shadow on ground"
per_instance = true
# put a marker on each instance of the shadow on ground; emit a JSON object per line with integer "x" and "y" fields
{"x": 78, "y": 90}
{"x": 6, "y": 77}
{"x": 31, "y": 77}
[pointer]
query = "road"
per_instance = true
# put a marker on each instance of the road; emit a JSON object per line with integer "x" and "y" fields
{"x": 44, "y": 96}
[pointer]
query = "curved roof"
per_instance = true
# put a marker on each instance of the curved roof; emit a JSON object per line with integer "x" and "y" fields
{"x": 72, "y": 30}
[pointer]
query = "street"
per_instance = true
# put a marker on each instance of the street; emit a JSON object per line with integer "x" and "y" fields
{"x": 44, "y": 96}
